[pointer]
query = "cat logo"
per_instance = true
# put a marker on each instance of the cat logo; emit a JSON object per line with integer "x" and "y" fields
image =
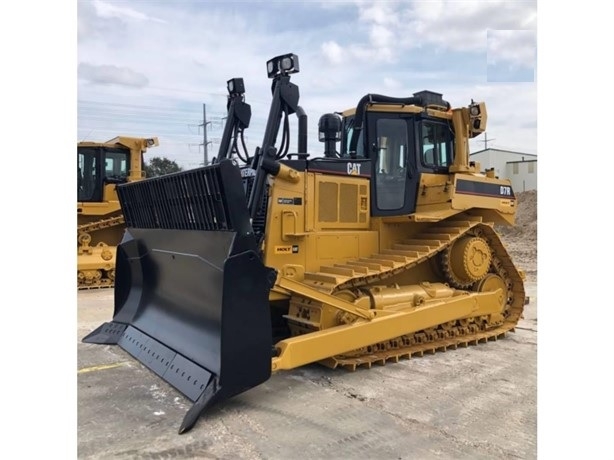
{"x": 354, "y": 169}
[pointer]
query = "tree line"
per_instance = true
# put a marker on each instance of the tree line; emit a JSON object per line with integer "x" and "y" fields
{"x": 160, "y": 166}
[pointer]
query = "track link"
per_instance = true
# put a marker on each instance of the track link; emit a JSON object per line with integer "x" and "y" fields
{"x": 100, "y": 224}
{"x": 102, "y": 278}
{"x": 406, "y": 255}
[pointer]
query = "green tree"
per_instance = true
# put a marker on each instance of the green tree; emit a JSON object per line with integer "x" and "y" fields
{"x": 159, "y": 166}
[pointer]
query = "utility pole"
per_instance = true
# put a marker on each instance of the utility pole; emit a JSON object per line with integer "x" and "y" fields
{"x": 487, "y": 140}
{"x": 205, "y": 142}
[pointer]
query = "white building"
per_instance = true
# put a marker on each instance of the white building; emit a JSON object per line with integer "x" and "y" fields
{"x": 520, "y": 168}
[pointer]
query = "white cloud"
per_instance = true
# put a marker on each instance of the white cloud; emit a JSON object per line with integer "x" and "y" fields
{"x": 381, "y": 36}
{"x": 395, "y": 27}
{"x": 90, "y": 26}
{"x": 392, "y": 83}
{"x": 111, "y": 75}
{"x": 513, "y": 47}
{"x": 109, "y": 10}
{"x": 332, "y": 52}
{"x": 381, "y": 13}
{"x": 462, "y": 25}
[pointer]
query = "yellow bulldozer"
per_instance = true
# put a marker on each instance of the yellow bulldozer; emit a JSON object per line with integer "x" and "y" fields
{"x": 101, "y": 166}
{"x": 379, "y": 249}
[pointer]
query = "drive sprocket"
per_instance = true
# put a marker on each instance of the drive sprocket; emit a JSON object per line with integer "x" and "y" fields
{"x": 466, "y": 261}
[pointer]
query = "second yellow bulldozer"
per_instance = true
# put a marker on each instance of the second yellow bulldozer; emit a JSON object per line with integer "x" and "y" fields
{"x": 376, "y": 251}
{"x": 101, "y": 166}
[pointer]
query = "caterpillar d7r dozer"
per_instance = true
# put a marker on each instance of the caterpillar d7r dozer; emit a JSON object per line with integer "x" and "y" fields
{"x": 101, "y": 166}
{"x": 380, "y": 251}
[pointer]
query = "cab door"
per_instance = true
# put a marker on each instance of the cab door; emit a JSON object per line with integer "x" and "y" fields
{"x": 89, "y": 174}
{"x": 394, "y": 178}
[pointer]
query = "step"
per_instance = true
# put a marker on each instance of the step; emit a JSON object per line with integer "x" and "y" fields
{"x": 337, "y": 270}
{"x": 407, "y": 254}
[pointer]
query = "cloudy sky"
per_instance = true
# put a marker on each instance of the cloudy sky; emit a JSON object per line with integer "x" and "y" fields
{"x": 145, "y": 68}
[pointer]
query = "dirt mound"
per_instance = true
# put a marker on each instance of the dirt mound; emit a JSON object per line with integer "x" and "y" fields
{"x": 526, "y": 217}
{"x": 521, "y": 239}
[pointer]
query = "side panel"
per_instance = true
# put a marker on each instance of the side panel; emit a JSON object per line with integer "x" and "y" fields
{"x": 285, "y": 226}
{"x": 471, "y": 192}
{"x": 434, "y": 192}
{"x": 321, "y": 219}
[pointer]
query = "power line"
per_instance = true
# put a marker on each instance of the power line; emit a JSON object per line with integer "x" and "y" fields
{"x": 132, "y": 106}
{"x": 156, "y": 114}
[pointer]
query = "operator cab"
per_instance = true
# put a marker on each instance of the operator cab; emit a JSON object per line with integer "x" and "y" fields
{"x": 99, "y": 165}
{"x": 401, "y": 140}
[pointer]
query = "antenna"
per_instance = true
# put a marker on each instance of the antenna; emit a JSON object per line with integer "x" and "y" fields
{"x": 88, "y": 135}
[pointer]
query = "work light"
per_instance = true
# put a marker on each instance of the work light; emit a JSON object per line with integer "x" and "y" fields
{"x": 282, "y": 65}
{"x": 235, "y": 86}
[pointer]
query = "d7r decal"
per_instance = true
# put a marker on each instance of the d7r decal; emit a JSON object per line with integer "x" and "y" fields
{"x": 505, "y": 190}
{"x": 469, "y": 187}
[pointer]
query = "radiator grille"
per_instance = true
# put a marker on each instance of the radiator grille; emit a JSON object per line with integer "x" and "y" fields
{"x": 328, "y": 202}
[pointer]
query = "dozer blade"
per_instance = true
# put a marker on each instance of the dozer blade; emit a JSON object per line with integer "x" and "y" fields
{"x": 191, "y": 292}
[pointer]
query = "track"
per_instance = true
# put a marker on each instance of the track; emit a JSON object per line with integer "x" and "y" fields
{"x": 88, "y": 278}
{"x": 406, "y": 255}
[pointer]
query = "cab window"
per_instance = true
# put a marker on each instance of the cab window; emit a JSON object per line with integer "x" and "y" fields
{"x": 436, "y": 148}
{"x": 116, "y": 165}
{"x": 348, "y": 130}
